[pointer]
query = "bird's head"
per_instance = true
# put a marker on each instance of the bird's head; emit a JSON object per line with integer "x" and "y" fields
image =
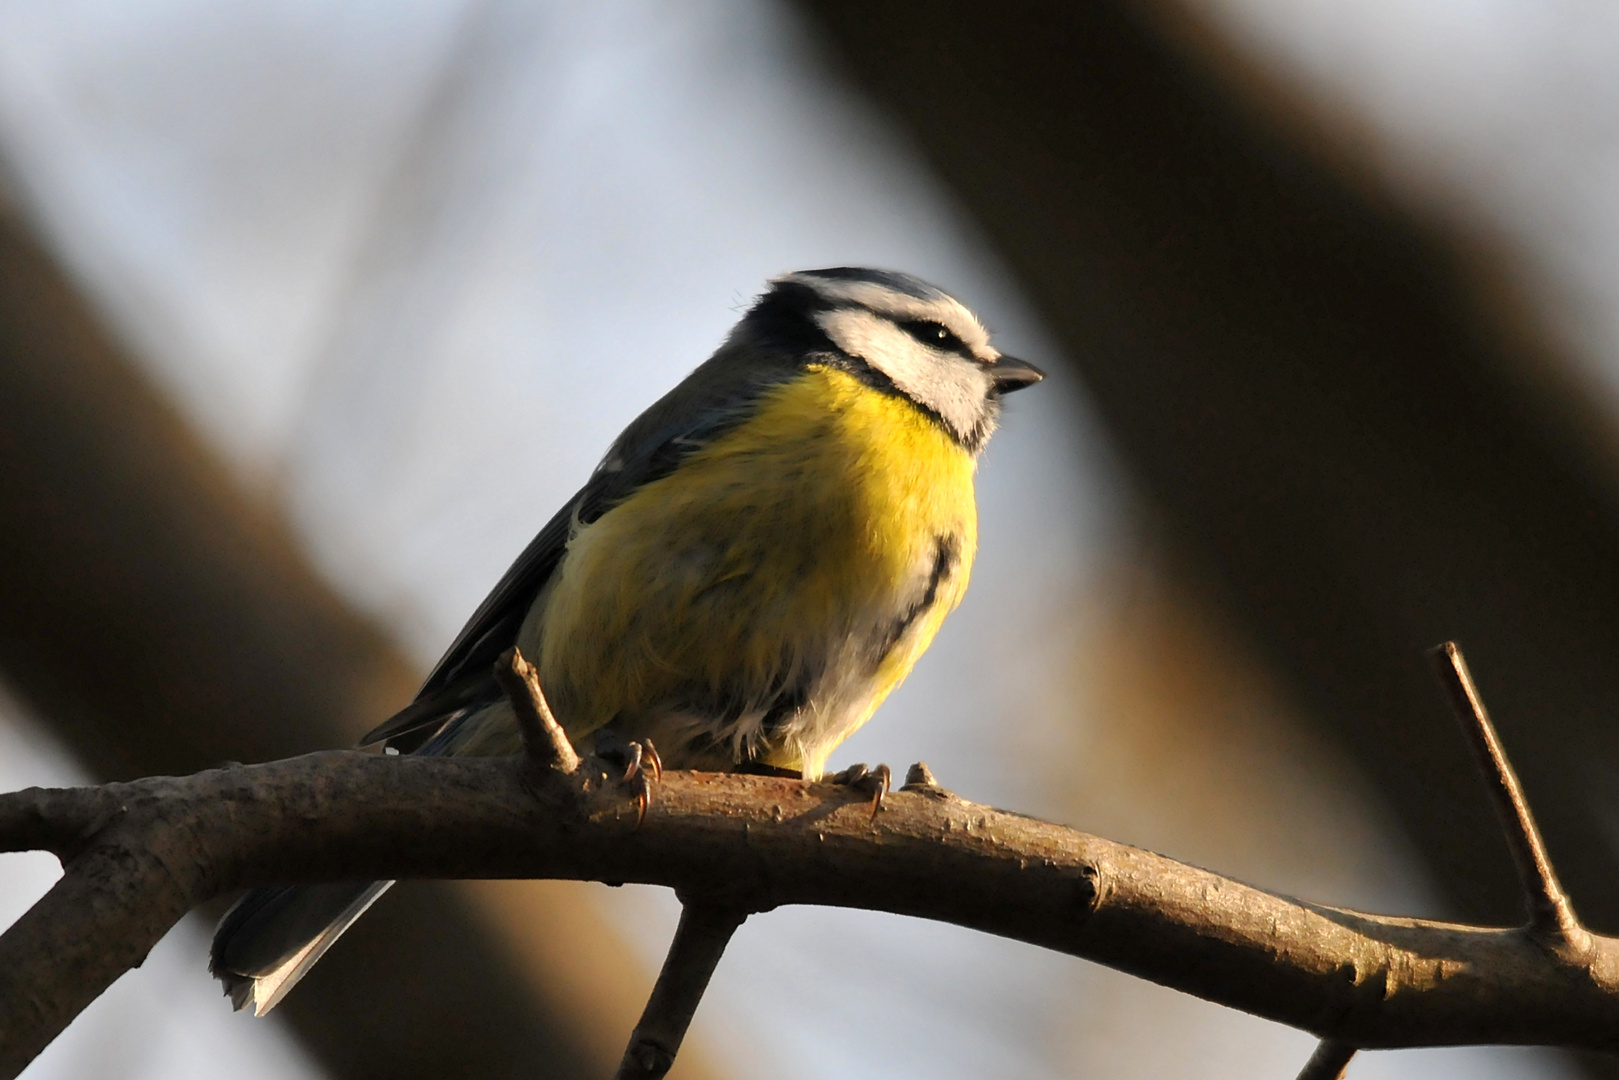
{"x": 902, "y": 334}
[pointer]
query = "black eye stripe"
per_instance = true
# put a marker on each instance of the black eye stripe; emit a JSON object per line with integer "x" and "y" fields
{"x": 933, "y": 334}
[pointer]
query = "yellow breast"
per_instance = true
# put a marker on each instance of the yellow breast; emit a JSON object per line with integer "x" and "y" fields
{"x": 761, "y": 601}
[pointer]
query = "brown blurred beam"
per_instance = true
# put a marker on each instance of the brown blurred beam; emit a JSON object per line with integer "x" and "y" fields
{"x": 122, "y": 537}
{"x": 1299, "y": 377}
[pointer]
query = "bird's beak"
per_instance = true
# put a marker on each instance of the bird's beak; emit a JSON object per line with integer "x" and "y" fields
{"x": 1011, "y": 374}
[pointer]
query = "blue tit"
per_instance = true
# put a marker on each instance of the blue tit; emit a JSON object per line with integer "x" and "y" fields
{"x": 754, "y": 566}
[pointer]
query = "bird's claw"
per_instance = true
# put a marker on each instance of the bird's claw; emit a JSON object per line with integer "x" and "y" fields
{"x": 638, "y": 763}
{"x": 874, "y": 782}
{"x": 644, "y": 769}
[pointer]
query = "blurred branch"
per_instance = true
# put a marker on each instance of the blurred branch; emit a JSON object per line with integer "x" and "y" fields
{"x": 139, "y": 855}
{"x": 1337, "y": 405}
{"x": 159, "y": 619}
{"x": 1307, "y": 384}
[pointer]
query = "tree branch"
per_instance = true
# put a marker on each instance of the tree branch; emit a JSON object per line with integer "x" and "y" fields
{"x": 1551, "y": 913}
{"x": 704, "y": 931}
{"x": 139, "y": 855}
{"x": 544, "y": 741}
{"x": 1329, "y": 1062}
{"x": 751, "y": 843}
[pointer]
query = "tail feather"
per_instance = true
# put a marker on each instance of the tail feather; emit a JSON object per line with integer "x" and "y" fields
{"x": 272, "y": 937}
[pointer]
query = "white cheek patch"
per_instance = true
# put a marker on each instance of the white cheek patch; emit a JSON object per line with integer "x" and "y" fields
{"x": 952, "y": 386}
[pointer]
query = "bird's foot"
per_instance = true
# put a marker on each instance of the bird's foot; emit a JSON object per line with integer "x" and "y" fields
{"x": 634, "y": 762}
{"x": 868, "y": 781}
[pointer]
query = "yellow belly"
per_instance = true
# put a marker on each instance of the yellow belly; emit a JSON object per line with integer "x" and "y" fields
{"x": 795, "y": 552}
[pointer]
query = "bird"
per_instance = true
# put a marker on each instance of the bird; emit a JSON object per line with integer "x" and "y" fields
{"x": 757, "y": 562}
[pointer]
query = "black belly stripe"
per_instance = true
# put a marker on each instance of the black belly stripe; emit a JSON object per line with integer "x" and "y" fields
{"x": 946, "y": 556}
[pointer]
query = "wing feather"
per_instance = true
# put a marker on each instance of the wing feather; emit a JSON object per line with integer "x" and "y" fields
{"x": 696, "y": 412}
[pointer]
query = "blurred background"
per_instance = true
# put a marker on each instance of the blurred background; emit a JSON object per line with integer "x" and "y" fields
{"x": 310, "y": 315}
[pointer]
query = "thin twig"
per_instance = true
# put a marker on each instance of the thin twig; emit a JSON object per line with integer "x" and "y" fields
{"x": 1550, "y": 912}
{"x": 705, "y": 929}
{"x": 1329, "y": 1062}
{"x": 919, "y": 776}
{"x": 543, "y": 738}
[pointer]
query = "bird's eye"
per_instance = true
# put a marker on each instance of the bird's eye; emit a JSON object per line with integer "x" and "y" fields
{"x": 931, "y": 333}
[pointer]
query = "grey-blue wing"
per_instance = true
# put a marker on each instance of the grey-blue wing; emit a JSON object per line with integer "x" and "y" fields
{"x": 510, "y": 597}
